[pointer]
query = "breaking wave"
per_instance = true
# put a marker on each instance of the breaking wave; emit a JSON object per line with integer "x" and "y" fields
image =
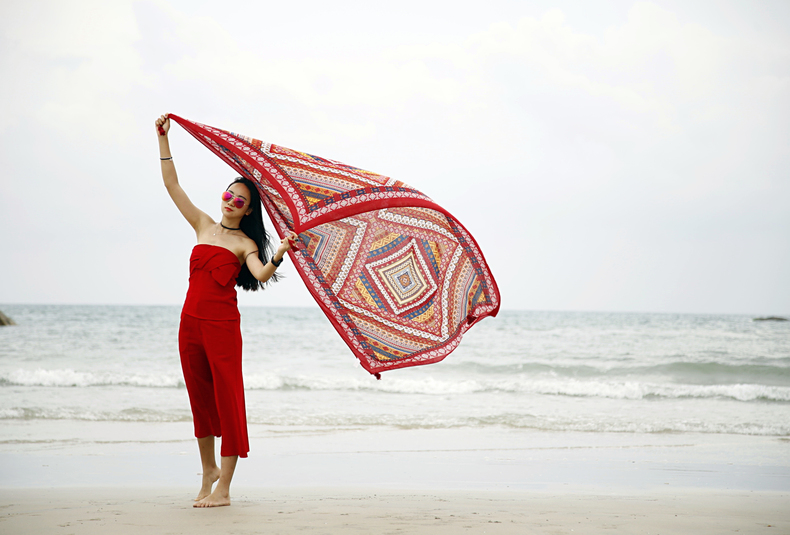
{"x": 538, "y": 384}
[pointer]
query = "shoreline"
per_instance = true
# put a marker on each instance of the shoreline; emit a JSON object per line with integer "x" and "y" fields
{"x": 131, "y": 478}
{"x": 491, "y": 459}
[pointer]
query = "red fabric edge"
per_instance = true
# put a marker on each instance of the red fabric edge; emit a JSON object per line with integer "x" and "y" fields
{"x": 298, "y": 226}
{"x": 368, "y": 206}
{"x": 274, "y": 183}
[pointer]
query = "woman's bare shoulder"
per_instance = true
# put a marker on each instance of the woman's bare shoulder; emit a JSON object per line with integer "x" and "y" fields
{"x": 245, "y": 245}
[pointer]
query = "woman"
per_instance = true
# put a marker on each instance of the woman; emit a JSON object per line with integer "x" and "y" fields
{"x": 235, "y": 250}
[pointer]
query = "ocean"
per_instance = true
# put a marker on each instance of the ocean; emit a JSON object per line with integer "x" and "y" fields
{"x": 589, "y": 372}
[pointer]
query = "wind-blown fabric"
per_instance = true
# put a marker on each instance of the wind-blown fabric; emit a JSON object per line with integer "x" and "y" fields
{"x": 399, "y": 278}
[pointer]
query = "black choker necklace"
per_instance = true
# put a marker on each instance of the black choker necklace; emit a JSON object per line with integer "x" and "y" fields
{"x": 229, "y": 228}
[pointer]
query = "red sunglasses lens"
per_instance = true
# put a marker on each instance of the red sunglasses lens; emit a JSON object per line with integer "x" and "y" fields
{"x": 237, "y": 201}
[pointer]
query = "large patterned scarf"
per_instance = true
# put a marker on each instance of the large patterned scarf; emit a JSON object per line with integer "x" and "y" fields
{"x": 397, "y": 275}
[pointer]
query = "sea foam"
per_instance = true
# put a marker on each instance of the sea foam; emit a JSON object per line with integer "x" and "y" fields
{"x": 542, "y": 384}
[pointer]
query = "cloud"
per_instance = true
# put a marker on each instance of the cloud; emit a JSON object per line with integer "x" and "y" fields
{"x": 71, "y": 64}
{"x": 570, "y": 148}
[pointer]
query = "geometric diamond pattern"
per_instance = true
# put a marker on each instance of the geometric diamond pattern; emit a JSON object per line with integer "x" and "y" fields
{"x": 398, "y": 277}
{"x": 403, "y": 277}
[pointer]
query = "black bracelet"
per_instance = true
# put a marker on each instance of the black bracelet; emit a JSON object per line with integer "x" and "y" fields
{"x": 277, "y": 264}
{"x": 168, "y": 158}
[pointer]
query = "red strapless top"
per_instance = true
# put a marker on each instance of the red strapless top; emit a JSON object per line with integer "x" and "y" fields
{"x": 212, "y": 280}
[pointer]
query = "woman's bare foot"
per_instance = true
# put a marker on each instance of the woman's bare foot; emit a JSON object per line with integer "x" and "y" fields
{"x": 209, "y": 478}
{"x": 221, "y": 495}
{"x": 215, "y": 499}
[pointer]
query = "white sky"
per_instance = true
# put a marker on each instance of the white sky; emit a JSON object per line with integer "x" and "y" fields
{"x": 615, "y": 155}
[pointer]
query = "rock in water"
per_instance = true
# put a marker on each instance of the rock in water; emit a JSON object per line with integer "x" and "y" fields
{"x": 5, "y": 320}
{"x": 770, "y": 318}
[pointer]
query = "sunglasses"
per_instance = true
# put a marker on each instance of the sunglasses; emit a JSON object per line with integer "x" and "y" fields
{"x": 239, "y": 202}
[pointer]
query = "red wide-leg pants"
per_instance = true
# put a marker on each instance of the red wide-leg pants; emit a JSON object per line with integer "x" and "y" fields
{"x": 211, "y": 361}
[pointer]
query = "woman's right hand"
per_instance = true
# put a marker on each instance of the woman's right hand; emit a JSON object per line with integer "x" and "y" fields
{"x": 163, "y": 125}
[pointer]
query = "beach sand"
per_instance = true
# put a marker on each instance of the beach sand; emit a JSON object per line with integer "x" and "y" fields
{"x": 331, "y": 511}
{"x": 402, "y": 481}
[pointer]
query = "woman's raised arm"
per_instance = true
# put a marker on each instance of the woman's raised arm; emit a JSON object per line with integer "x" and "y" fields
{"x": 196, "y": 217}
{"x": 263, "y": 272}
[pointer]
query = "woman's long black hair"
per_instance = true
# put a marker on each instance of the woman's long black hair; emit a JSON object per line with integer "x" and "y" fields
{"x": 252, "y": 226}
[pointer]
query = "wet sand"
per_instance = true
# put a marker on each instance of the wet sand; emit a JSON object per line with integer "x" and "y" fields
{"x": 401, "y": 481}
{"x": 332, "y": 511}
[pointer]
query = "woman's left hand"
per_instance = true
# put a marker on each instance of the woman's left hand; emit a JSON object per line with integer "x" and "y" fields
{"x": 287, "y": 243}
